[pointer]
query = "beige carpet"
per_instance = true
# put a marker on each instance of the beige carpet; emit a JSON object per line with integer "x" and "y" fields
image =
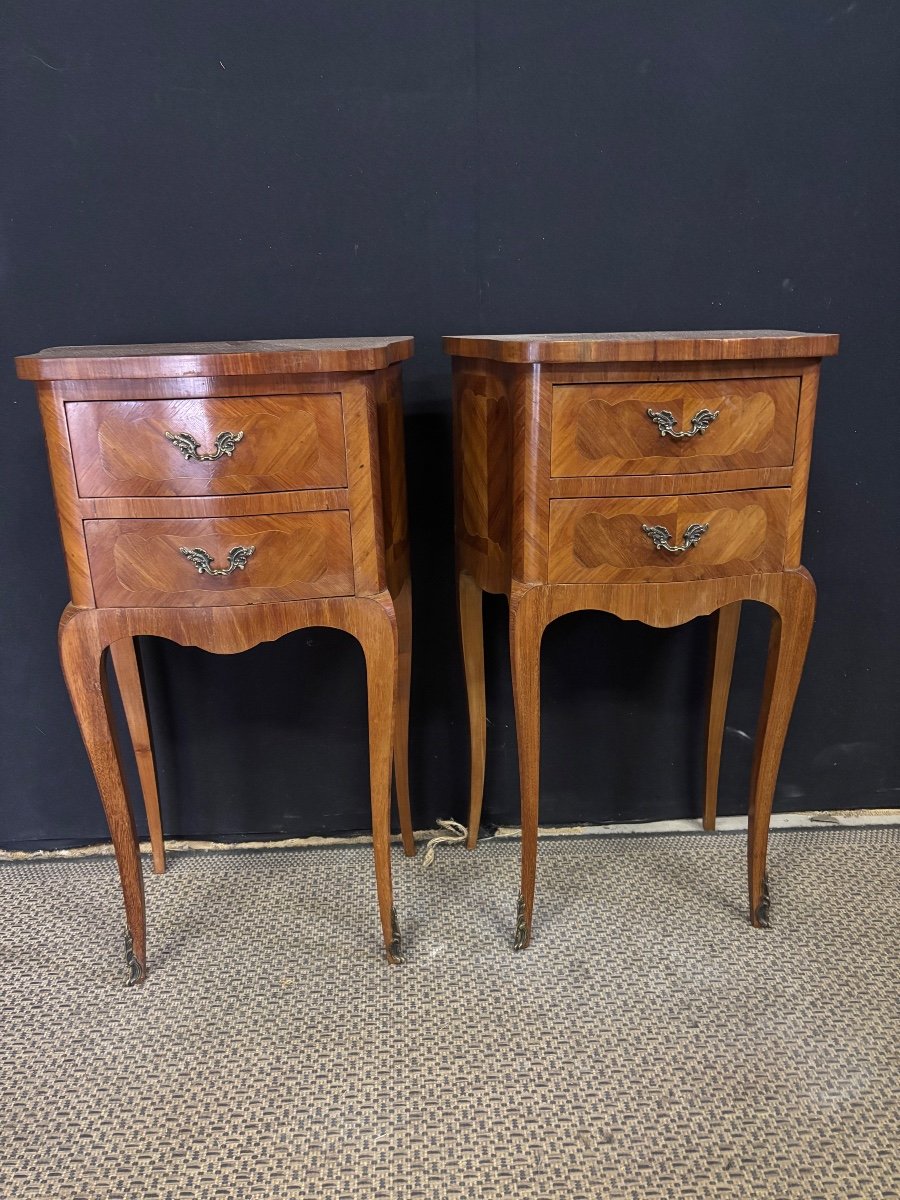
{"x": 649, "y": 1045}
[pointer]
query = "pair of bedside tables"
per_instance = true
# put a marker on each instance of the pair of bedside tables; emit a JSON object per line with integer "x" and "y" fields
{"x": 225, "y": 494}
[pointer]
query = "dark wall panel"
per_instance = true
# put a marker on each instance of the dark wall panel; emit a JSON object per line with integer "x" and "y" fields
{"x": 220, "y": 170}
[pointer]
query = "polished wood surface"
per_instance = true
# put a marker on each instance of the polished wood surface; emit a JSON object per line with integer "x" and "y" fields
{"x": 126, "y": 448}
{"x": 530, "y": 409}
{"x": 176, "y": 359}
{"x": 603, "y": 541}
{"x": 481, "y": 463}
{"x": 316, "y": 486}
{"x": 725, "y": 624}
{"x": 671, "y": 485}
{"x": 707, "y": 345}
{"x": 253, "y": 504}
{"x": 608, "y": 429}
{"x": 295, "y": 557}
{"x": 123, "y": 654}
{"x": 471, "y": 628}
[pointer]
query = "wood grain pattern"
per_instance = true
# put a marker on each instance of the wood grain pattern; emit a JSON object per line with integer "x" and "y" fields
{"x": 483, "y": 501}
{"x": 258, "y": 504}
{"x": 530, "y": 475}
{"x": 724, "y": 640}
{"x": 392, "y": 471}
{"x": 602, "y": 541}
{"x": 670, "y": 485}
{"x": 574, "y": 541}
{"x": 291, "y": 356}
{"x": 708, "y": 345}
{"x": 364, "y": 486}
{"x": 123, "y": 655}
{"x": 62, "y": 472}
{"x": 323, "y": 435}
{"x": 287, "y": 443}
{"x": 298, "y": 556}
{"x": 605, "y": 429}
{"x": 809, "y": 390}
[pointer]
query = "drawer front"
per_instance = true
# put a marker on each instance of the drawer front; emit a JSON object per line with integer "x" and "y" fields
{"x": 605, "y": 540}
{"x": 151, "y": 447}
{"x": 628, "y": 428}
{"x": 297, "y": 556}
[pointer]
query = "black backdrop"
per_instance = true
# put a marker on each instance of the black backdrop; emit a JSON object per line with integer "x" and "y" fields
{"x": 215, "y": 169}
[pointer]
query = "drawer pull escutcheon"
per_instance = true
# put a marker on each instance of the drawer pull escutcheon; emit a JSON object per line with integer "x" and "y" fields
{"x": 238, "y": 558}
{"x": 190, "y": 447}
{"x": 665, "y": 423}
{"x": 661, "y": 538}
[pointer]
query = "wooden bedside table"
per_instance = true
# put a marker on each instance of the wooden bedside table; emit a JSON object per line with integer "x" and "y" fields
{"x": 657, "y": 476}
{"x": 221, "y": 495}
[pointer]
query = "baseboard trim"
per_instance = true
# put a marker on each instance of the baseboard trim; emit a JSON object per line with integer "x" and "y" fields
{"x": 813, "y": 819}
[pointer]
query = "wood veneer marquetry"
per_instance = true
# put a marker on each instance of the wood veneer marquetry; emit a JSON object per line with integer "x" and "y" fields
{"x": 606, "y": 429}
{"x": 316, "y": 485}
{"x": 286, "y": 443}
{"x": 603, "y": 541}
{"x": 579, "y": 468}
{"x": 295, "y": 557}
{"x": 392, "y": 470}
{"x": 482, "y": 427}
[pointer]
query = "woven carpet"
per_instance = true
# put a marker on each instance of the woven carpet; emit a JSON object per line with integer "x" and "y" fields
{"x": 649, "y": 1044}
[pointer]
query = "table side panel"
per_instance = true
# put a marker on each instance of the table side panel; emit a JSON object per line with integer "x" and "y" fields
{"x": 392, "y": 470}
{"x": 65, "y": 495}
{"x": 482, "y": 461}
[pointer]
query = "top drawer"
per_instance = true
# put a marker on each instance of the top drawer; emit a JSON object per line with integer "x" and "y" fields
{"x": 628, "y": 428}
{"x": 207, "y": 447}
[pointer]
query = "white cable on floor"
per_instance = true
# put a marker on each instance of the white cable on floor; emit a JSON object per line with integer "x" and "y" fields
{"x": 456, "y": 832}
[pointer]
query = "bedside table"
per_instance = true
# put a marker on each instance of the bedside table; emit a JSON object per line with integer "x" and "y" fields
{"x": 657, "y": 476}
{"x": 221, "y": 495}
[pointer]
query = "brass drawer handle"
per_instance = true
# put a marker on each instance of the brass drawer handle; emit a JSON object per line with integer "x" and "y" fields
{"x": 238, "y": 558}
{"x": 661, "y": 538}
{"x": 190, "y": 447}
{"x": 665, "y": 423}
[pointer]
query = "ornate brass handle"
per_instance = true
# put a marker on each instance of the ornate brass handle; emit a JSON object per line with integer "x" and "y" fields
{"x": 665, "y": 423}
{"x": 660, "y": 537}
{"x": 238, "y": 557}
{"x": 190, "y": 447}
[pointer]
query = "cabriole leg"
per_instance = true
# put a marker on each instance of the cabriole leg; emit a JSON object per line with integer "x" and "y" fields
{"x": 724, "y": 640}
{"x": 81, "y": 653}
{"x": 403, "y": 611}
{"x": 471, "y": 630}
{"x": 376, "y": 630}
{"x": 124, "y": 659}
{"x": 526, "y": 627}
{"x": 788, "y": 642}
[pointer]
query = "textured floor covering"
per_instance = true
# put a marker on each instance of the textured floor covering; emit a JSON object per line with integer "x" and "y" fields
{"x": 649, "y": 1044}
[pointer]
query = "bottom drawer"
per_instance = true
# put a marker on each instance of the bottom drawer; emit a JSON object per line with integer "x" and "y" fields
{"x": 623, "y": 540}
{"x": 295, "y": 556}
